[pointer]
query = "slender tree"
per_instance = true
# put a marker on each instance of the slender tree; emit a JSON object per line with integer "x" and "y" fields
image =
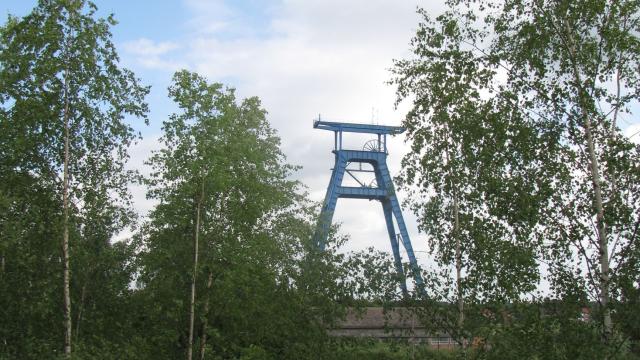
{"x": 575, "y": 64}
{"x": 221, "y": 157}
{"x": 64, "y": 97}
{"x": 557, "y": 172}
{"x": 468, "y": 167}
{"x": 260, "y": 285}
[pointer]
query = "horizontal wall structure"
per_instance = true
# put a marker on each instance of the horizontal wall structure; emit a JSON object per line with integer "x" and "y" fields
{"x": 392, "y": 324}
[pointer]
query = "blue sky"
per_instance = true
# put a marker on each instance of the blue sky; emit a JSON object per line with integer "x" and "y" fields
{"x": 301, "y": 57}
{"x": 170, "y": 22}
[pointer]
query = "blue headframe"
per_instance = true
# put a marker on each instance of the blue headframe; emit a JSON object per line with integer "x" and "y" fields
{"x": 375, "y": 154}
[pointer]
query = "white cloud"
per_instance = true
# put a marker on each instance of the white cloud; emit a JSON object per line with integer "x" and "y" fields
{"x": 209, "y": 8}
{"x": 148, "y": 47}
{"x": 210, "y": 16}
{"x": 140, "y": 153}
{"x": 151, "y": 54}
{"x": 330, "y": 57}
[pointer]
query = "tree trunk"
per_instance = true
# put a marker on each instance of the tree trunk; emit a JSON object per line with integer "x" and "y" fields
{"x": 603, "y": 245}
{"x": 80, "y": 310}
{"x": 458, "y": 249}
{"x": 594, "y": 169}
{"x": 192, "y": 306}
{"x": 456, "y": 231}
{"x": 203, "y": 342}
{"x": 65, "y": 230}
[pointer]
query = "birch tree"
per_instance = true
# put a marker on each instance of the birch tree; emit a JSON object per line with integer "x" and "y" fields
{"x": 574, "y": 64}
{"x": 64, "y": 98}
{"x": 474, "y": 189}
{"x": 566, "y": 74}
{"x": 222, "y": 165}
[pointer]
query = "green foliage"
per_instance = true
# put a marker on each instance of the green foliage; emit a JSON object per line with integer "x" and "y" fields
{"x": 59, "y": 62}
{"x": 470, "y": 172}
{"x": 30, "y": 282}
{"x": 518, "y": 162}
{"x": 269, "y": 293}
{"x": 379, "y": 350}
{"x": 545, "y": 330}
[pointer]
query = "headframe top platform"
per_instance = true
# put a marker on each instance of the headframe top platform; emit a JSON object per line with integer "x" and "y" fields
{"x": 358, "y": 128}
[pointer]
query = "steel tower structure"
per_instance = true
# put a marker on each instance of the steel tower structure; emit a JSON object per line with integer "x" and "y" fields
{"x": 373, "y": 153}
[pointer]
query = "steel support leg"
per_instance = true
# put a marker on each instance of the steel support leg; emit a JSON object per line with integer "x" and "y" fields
{"x": 387, "y": 183}
{"x": 384, "y": 192}
{"x": 330, "y": 200}
{"x": 395, "y": 246}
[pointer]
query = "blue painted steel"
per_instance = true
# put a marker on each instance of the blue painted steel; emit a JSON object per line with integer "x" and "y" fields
{"x": 358, "y": 128}
{"x": 395, "y": 246}
{"x": 383, "y": 191}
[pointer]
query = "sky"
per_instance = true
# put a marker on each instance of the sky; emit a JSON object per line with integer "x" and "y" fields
{"x": 301, "y": 58}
